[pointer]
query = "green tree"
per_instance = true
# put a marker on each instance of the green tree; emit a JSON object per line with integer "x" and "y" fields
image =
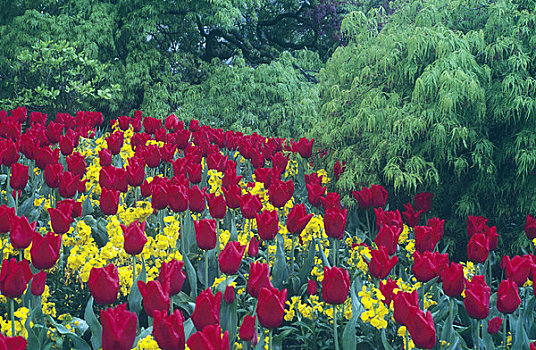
{"x": 438, "y": 96}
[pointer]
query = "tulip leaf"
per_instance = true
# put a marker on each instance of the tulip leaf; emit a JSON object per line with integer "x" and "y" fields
{"x": 184, "y": 301}
{"x": 191, "y": 274}
{"x": 223, "y": 284}
{"x": 348, "y": 335}
{"x": 189, "y": 328}
{"x": 188, "y": 240}
{"x": 385, "y": 343}
{"x": 324, "y": 259}
{"x": 134, "y": 297}
{"x": 78, "y": 342}
{"x": 145, "y": 332}
{"x": 10, "y": 200}
{"x": 26, "y": 206}
{"x": 94, "y": 325}
{"x": 229, "y": 319}
{"x": 307, "y": 266}
{"x": 33, "y": 340}
{"x": 280, "y": 271}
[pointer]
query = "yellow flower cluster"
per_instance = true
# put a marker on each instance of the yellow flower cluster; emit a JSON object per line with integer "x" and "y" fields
{"x": 147, "y": 343}
{"x": 375, "y": 313}
{"x": 21, "y": 314}
{"x": 215, "y": 182}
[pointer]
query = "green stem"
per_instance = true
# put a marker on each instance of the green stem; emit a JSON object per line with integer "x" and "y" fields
{"x": 504, "y": 331}
{"x": 16, "y": 202}
{"x": 335, "y": 335}
{"x": 206, "y": 267}
{"x": 270, "y": 340}
{"x": 12, "y": 312}
{"x": 477, "y": 335}
{"x": 21, "y": 255}
{"x": 292, "y": 255}
{"x": 368, "y": 226}
{"x": 133, "y": 268}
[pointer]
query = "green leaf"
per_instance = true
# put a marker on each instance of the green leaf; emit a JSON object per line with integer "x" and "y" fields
{"x": 94, "y": 324}
{"x": 229, "y": 319}
{"x": 191, "y": 274}
{"x": 385, "y": 343}
{"x": 348, "y": 335}
{"x": 324, "y": 259}
{"x": 79, "y": 343}
{"x": 307, "y": 266}
{"x": 280, "y": 271}
{"x": 134, "y": 297}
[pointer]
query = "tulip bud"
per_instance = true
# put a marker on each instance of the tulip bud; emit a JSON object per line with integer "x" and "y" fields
{"x": 38, "y": 283}
{"x": 229, "y": 295}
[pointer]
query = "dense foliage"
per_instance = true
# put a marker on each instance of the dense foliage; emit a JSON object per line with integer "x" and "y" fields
{"x": 441, "y": 94}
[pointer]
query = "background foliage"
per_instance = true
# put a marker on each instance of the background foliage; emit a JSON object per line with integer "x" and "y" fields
{"x": 422, "y": 95}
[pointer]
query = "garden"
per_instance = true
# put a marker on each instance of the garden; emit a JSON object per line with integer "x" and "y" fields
{"x": 267, "y": 174}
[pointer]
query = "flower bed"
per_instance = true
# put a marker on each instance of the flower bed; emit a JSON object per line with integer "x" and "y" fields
{"x": 188, "y": 236}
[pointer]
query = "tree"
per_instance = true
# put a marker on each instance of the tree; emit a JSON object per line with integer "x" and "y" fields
{"x": 439, "y": 96}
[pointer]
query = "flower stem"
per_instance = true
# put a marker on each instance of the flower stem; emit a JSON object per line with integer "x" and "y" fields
{"x": 270, "y": 340}
{"x": 292, "y": 255}
{"x": 504, "y": 331}
{"x": 133, "y": 268}
{"x": 206, "y": 267}
{"x": 12, "y": 312}
{"x": 335, "y": 335}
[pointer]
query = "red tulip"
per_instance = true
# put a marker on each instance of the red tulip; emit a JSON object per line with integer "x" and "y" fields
{"x": 155, "y": 296}
{"x": 437, "y": 226}
{"x": 76, "y": 163}
{"x": 424, "y": 268}
{"x": 247, "y": 331}
{"x": 231, "y": 257}
{"x": 233, "y": 196}
{"x": 315, "y": 193}
{"x": 19, "y": 176}
{"x": 312, "y": 288}
{"x": 491, "y": 236}
{"x": 230, "y": 178}
{"x": 45, "y": 251}
{"x": 119, "y": 328}
{"x": 52, "y": 174}
{"x": 54, "y": 131}
{"x": 135, "y": 238}
{"x": 267, "y": 224}
{"x": 205, "y": 233}
{"x": 403, "y": 304}
{"x": 21, "y": 232}
{"x": 494, "y": 325}
{"x": 425, "y": 238}
{"x": 518, "y": 268}
{"x": 331, "y": 200}
{"x": 477, "y": 294}
{"x": 363, "y": 197}
{"x": 388, "y": 237}
{"x": 411, "y": 216}
{"x": 135, "y": 172}
{"x": 250, "y": 205}
{"x": 207, "y": 309}
{"x": 12, "y": 343}
{"x": 379, "y": 196}
{"x": 298, "y": 219}
{"x": 478, "y": 249}
{"x": 280, "y": 192}
{"x": 103, "y": 284}
{"x": 171, "y": 272}
{"x": 387, "y": 289}
{"x": 391, "y": 218}
{"x": 530, "y": 227}
{"x": 109, "y": 201}
{"x": 335, "y": 223}
{"x": 194, "y": 172}
{"x": 69, "y": 184}
{"x": 259, "y": 277}
{"x": 38, "y": 283}
{"x": 507, "y": 297}
{"x": 105, "y": 158}
{"x": 61, "y": 219}
{"x": 423, "y": 201}
{"x": 380, "y": 265}
{"x": 6, "y": 216}
{"x": 196, "y": 199}
{"x": 70, "y": 206}
{"x": 421, "y": 327}
{"x": 304, "y": 147}
{"x": 271, "y": 307}
{"x": 229, "y": 295}
{"x": 11, "y": 153}
{"x": 14, "y": 277}
{"x": 475, "y": 224}
{"x": 209, "y": 338}
{"x": 335, "y": 285}
{"x": 168, "y": 331}
{"x": 253, "y": 247}
{"x": 216, "y": 206}
{"x": 115, "y": 142}
{"x": 453, "y": 280}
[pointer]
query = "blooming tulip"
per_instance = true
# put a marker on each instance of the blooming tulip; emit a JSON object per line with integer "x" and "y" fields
{"x": 335, "y": 285}
{"x": 411, "y": 216}
{"x": 12, "y": 343}
{"x": 207, "y": 309}
{"x": 209, "y": 338}
{"x": 335, "y": 223}
{"x": 155, "y": 296}
{"x": 380, "y": 265}
{"x": 494, "y": 325}
{"x": 421, "y": 327}
{"x": 388, "y": 237}
{"x": 103, "y": 284}
{"x": 453, "y": 280}
{"x": 423, "y": 201}
{"x": 267, "y": 224}
{"x": 271, "y": 307}
{"x": 231, "y": 257}
{"x": 119, "y": 328}
{"x": 21, "y": 232}
{"x": 477, "y": 294}
{"x": 507, "y": 297}
{"x": 171, "y": 272}
{"x": 19, "y": 176}
{"x": 168, "y": 331}
{"x": 298, "y": 219}
{"x": 205, "y": 233}
{"x": 38, "y": 283}
{"x": 478, "y": 248}
{"x": 14, "y": 277}
{"x": 530, "y": 227}
{"x": 45, "y": 250}
{"x": 135, "y": 238}
{"x": 259, "y": 277}
{"x": 247, "y": 331}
